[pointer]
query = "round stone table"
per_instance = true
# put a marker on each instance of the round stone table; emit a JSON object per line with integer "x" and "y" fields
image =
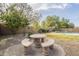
{"x": 38, "y": 38}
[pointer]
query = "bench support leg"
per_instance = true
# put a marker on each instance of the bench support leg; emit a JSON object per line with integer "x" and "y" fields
{"x": 45, "y": 51}
{"x": 26, "y": 50}
{"x": 51, "y": 47}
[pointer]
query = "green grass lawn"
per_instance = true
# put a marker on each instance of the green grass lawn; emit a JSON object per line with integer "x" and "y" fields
{"x": 63, "y": 36}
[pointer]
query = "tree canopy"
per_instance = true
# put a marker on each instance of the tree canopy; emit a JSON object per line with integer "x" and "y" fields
{"x": 21, "y": 15}
{"x": 17, "y": 16}
{"x": 23, "y": 7}
{"x": 57, "y": 23}
{"x": 14, "y": 18}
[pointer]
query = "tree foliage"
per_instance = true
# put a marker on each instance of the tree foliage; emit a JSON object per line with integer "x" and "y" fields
{"x": 36, "y": 26}
{"x": 23, "y": 7}
{"x": 54, "y": 22}
{"x": 20, "y": 15}
{"x": 14, "y": 18}
{"x": 28, "y": 11}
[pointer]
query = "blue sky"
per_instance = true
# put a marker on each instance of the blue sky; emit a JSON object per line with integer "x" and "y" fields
{"x": 69, "y": 11}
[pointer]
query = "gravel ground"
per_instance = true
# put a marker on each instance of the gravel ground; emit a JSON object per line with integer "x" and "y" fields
{"x": 10, "y": 41}
{"x": 71, "y": 48}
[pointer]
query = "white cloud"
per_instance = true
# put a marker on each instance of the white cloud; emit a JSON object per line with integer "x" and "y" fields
{"x": 45, "y": 6}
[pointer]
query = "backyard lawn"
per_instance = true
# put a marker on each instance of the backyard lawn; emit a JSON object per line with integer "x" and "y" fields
{"x": 70, "y": 43}
{"x": 62, "y": 36}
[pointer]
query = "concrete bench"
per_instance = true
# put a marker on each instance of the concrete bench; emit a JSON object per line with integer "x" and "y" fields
{"x": 26, "y": 42}
{"x": 27, "y": 45}
{"x": 48, "y": 44}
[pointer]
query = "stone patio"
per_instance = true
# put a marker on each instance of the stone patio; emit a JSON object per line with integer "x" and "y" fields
{"x": 71, "y": 48}
{"x": 18, "y": 50}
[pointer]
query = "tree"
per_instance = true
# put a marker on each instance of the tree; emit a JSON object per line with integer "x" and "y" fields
{"x": 18, "y": 15}
{"x": 36, "y": 25}
{"x": 71, "y": 25}
{"x": 24, "y": 8}
{"x": 64, "y": 23}
{"x": 14, "y": 18}
{"x": 55, "y": 23}
{"x": 28, "y": 11}
{"x": 51, "y": 22}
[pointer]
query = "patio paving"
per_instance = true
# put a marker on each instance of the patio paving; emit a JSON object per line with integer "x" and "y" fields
{"x": 71, "y": 48}
{"x": 18, "y": 50}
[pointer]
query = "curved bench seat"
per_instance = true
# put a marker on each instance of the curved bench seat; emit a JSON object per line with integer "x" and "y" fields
{"x": 26, "y": 42}
{"x": 27, "y": 45}
{"x": 47, "y": 43}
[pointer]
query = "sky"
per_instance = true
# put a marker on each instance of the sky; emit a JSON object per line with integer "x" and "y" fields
{"x": 68, "y": 11}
